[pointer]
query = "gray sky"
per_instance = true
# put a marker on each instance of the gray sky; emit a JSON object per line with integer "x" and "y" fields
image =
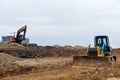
{"x": 62, "y": 22}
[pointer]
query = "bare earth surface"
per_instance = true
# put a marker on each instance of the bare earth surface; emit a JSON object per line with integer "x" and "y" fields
{"x": 12, "y": 67}
{"x": 65, "y": 72}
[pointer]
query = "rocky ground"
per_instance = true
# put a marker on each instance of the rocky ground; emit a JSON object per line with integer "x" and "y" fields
{"x": 50, "y": 63}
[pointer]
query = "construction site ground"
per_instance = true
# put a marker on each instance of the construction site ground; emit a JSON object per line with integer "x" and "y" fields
{"x": 51, "y": 63}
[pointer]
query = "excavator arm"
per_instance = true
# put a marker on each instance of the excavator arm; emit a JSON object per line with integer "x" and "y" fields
{"x": 19, "y": 36}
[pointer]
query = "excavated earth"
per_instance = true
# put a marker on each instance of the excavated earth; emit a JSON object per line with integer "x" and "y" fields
{"x": 50, "y": 63}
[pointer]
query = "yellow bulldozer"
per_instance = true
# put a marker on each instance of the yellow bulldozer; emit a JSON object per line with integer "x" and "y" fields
{"x": 97, "y": 56}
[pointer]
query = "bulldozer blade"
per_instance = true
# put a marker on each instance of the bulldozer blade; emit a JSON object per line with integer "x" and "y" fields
{"x": 90, "y": 61}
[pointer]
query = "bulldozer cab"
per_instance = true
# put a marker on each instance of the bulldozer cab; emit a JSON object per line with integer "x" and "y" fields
{"x": 103, "y": 43}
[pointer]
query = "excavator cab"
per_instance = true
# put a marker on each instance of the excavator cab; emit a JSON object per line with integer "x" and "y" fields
{"x": 20, "y": 38}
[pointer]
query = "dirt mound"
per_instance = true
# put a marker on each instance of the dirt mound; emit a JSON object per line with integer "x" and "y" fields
{"x": 41, "y": 51}
{"x": 16, "y": 45}
{"x": 7, "y": 58}
{"x": 57, "y": 46}
{"x": 116, "y": 52}
{"x": 24, "y": 66}
{"x": 79, "y": 47}
{"x": 68, "y": 47}
{"x": 7, "y": 63}
{"x": 11, "y": 45}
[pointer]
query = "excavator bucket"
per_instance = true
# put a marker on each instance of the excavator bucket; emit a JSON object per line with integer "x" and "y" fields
{"x": 90, "y": 61}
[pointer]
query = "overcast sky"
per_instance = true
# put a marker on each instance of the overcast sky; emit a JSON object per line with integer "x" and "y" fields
{"x": 62, "y": 22}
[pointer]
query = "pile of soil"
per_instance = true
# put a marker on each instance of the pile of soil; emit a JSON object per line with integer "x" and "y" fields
{"x": 10, "y": 65}
{"x": 108, "y": 73}
{"x": 42, "y": 51}
{"x": 7, "y": 63}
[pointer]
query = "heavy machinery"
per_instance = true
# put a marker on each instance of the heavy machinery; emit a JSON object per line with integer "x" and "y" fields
{"x": 97, "y": 56}
{"x": 19, "y": 38}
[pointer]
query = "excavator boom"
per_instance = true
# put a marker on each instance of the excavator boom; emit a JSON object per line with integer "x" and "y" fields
{"x": 18, "y": 36}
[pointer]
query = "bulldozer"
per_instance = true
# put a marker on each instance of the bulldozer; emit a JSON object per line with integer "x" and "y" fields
{"x": 96, "y": 56}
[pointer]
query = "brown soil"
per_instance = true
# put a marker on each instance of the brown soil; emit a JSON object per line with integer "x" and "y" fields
{"x": 51, "y": 63}
{"x": 41, "y": 51}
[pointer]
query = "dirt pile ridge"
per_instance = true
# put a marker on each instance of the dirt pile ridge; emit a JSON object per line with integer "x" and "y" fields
{"x": 42, "y": 51}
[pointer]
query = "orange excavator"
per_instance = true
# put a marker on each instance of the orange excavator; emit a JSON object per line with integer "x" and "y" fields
{"x": 19, "y": 38}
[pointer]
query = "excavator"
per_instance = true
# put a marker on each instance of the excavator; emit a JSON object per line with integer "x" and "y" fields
{"x": 96, "y": 56}
{"x": 19, "y": 38}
